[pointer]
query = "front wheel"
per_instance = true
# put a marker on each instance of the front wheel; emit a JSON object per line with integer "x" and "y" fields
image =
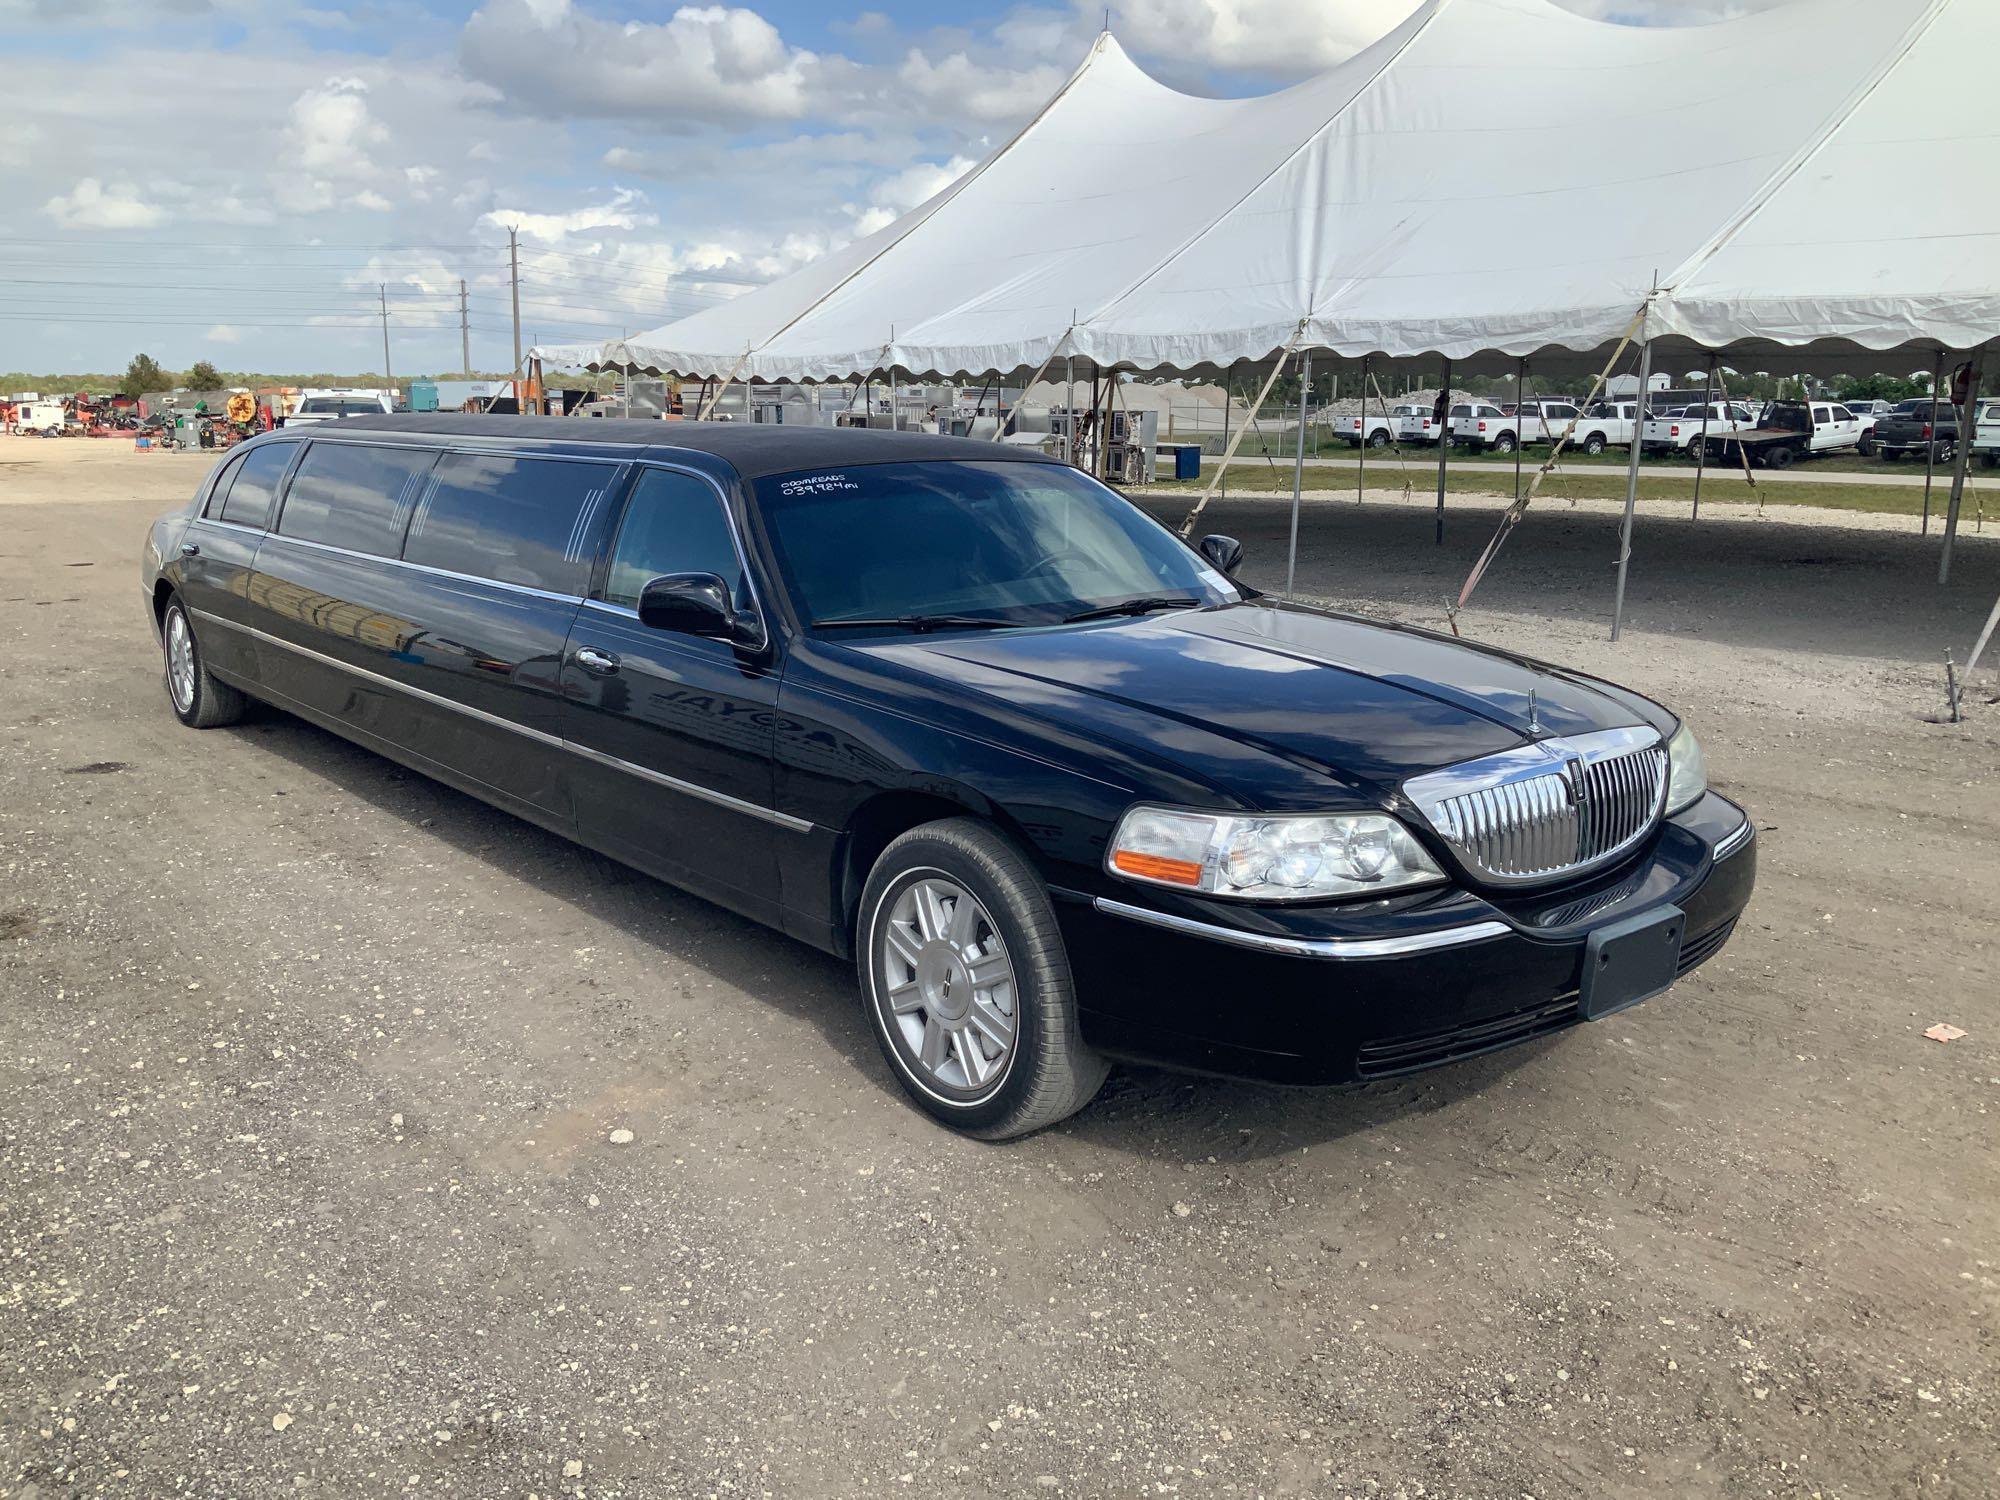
{"x": 965, "y": 977}
{"x": 199, "y": 700}
{"x": 1866, "y": 447}
{"x": 1594, "y": 444}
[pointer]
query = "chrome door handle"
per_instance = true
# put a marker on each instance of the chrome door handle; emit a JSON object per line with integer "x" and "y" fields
{"x": 593, "y": 660}
{"x": 190, "y": 549}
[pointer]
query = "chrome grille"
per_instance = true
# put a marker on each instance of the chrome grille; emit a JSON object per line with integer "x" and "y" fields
{"x": 1552, "y": 808}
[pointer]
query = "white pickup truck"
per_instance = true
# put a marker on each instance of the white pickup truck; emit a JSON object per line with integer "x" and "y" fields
{"x": 1606, "y": 424}
{"x": 1681, "y": 430}
{"x": 1787, "y": 432}
{"x": 1481, "y": 424}
{"x": 1378, "y": 429}
{"x": 1986, "y": 435}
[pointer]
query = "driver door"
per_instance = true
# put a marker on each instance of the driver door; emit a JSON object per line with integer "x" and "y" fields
{"x": 670, "y": 734}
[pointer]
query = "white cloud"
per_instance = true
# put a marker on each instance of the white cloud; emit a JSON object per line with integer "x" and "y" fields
{"x": 222, "y": 333}
{"x": 92, "y": 205}
{"x": 705, "y": 64}
{"x": 332, "y": 131}
{"x": 902, "y": 191}
{"x": 1279, "y": 36}
{"x": 957, "y": 87}
{"x": 618, "y": 213}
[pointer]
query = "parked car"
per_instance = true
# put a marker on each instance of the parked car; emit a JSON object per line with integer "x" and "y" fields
{"x": 331, "y": 405}
{"x": 1379, "y": 428}
{"x": 1916, "y": 425}
{"x": 1606, "y": 424}
{"x": 1867, "y": 414}
{"x": 1788, "y": 431}
{"x": 1681, "y": 430}
{"x": 1062, "y": 788}
{"x": 1482, "y": 424}
{"x": 1986, "y": 437}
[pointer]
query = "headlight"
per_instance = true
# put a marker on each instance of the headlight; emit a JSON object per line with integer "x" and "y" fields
{"x": 1284, "y": 858}
{"x": 1687, "y": 775}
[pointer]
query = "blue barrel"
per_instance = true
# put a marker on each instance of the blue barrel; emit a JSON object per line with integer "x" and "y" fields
{"x": 1187, "y": 461}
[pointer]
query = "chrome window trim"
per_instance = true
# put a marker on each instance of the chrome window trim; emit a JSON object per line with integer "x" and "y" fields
{"x": 435, "y": 572}
{"x": 1320, "y": 948}
{"x": 495, "y": 450}
{"x": 689, "y": 788}
{"x": 231, "y": 526}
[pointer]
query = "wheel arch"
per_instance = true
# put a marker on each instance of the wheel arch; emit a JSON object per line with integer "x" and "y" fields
{"x": 888, "y": 814}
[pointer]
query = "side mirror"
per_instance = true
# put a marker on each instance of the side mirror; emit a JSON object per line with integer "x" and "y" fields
{"x": 697, "y": 604}
{"x": 1224, "y": 553}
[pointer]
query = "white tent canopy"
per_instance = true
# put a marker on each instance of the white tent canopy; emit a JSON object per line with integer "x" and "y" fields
{"x": 1494, "y": 179}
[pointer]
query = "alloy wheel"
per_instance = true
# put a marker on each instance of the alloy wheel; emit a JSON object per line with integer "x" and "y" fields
{"x": 180, "y": 661}
{"x": 946, "y": 986}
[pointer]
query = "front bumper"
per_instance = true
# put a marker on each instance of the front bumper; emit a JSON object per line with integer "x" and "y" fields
{"x": 1336, "y": 995}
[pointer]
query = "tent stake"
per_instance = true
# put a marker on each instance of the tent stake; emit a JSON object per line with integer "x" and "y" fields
{"x": 1299, "y": 469}
{"x": 1444, "y": 445}
{"x": 1930, "y": 448}
{"x": 1631, "y": 489}
{"x": 1701, "y": 443}
{"x": 1968, "y": 429}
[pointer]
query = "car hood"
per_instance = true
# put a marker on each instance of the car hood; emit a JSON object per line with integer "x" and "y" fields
{"x": 1233, "y": 695}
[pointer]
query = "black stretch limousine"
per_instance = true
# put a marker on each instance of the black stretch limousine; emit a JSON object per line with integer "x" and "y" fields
{"x": 1063, "y": 789}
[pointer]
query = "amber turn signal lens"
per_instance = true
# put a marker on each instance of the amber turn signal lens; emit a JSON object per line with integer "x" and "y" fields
{"x": 1156, "y": 867}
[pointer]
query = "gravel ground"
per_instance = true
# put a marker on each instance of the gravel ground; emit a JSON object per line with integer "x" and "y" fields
{"x": 313, "y": 1077}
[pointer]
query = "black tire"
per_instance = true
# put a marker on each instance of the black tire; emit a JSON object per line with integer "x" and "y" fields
{"x": 1989, "y": 460}
{"x": 1048, "y": 1073}
{"x": 1866, "y": 446}
{"x": 1378, "y": 439}
{"x": 1594, "y": 444}
{"x": 1891, "y": 455}
{"x": 1945, "y": 450}
{"x": 1779, "y": 458}
{"x": 1504, "y": 443}
{"x": 197, "y": 698}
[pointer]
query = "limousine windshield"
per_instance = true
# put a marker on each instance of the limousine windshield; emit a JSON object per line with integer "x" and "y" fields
{"x": 1011, "y": 543}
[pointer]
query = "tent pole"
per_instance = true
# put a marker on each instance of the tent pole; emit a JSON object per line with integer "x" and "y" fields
{"x": 1520, "y": 420}
{"x": 1701, "y": 443}
{"x": 1361, "y": 448}
{"x": 1228, "y": 399}
{"x": 1968, "y": 430}
{"x": 1444, "y": 446}
{"x": 1299, "y": 469}
{"x": 1631, "y": 490}
{"x": 1930, "y": 449}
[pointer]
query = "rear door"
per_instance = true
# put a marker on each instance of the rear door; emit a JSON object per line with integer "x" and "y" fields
{"x": 671, "y": 735}
{"x": 420, "y": 600}
{"x": 219, "y": 554}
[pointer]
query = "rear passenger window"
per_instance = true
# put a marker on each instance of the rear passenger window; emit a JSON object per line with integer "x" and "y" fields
{"x": 254, "y": 485}
{"x": 347, "y": 495}
{"x": 219, "y": 491}
{"x": 517, "y": 520}
{"x": 675, "y": 524}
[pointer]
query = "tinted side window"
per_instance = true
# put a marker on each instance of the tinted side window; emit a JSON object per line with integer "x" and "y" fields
{"x": 517, "y": 520}
{"x": 346, "y": 495}
{"x": 219, "y": 491}
{"x": 675, "y": 524}
{"x": 254, "y": 485}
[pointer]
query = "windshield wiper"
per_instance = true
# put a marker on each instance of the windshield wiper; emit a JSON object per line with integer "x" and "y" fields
{"x": 1145, "y": 604}
{"x": 917, "y": 623}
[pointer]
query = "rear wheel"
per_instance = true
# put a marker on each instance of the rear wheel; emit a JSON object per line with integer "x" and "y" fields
{"x": 1779, "y": 458}
{"x": 199, "y": 700}
{"x": 965, "y": 977}
{"x": 1504, "y": 443}
{"x": 1378, "y": 439}
{"x": 1944, "y": 450}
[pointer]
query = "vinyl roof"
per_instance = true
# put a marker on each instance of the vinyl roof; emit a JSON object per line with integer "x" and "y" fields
{"x": 753, "y": 449}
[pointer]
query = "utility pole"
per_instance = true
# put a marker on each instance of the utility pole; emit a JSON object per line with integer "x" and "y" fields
{"x": 387, "y": 375}
{"x": 464, "y": 332}
{"x": 514, "y": 275}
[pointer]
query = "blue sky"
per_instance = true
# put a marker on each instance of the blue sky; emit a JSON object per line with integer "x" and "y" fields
{"x": 235, "y": 179}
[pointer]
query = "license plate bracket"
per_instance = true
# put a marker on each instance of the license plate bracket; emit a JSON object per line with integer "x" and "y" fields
{"x": 1630, "y": 960}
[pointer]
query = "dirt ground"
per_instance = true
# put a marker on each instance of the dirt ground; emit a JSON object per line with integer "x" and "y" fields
{"x": 309, "y": 1070}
